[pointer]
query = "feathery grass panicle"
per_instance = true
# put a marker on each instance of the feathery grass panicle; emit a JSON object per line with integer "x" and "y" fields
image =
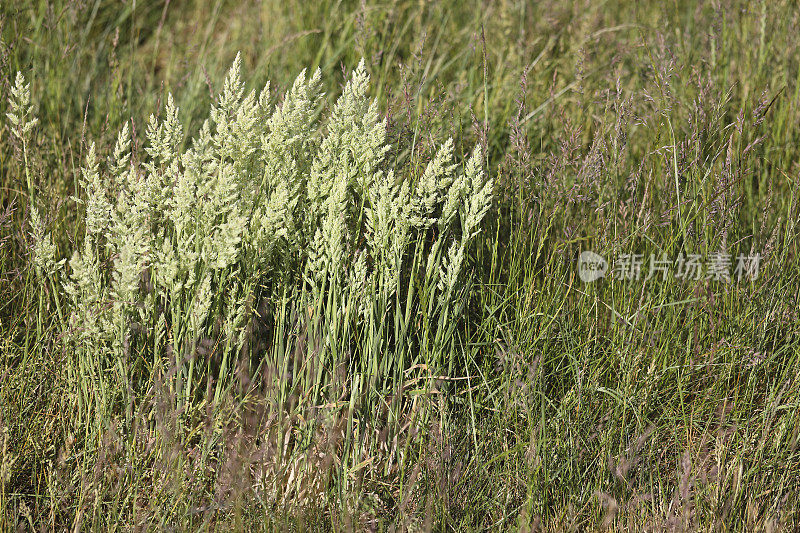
{"x": 98, "y": 208}
{"x": 44, "y": 251}
{"x": 21, "y": 114}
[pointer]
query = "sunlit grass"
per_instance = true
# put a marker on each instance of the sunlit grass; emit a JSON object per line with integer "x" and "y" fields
{"x": 528, "y": 399}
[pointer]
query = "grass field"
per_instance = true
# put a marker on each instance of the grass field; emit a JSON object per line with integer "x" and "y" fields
{"x": 315, "y": 312}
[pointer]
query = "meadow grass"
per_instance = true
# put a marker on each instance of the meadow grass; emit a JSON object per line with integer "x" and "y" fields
{"x": 524, "y": 399}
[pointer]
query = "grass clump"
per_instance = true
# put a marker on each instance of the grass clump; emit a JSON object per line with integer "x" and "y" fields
{"x": 264, "y": 209}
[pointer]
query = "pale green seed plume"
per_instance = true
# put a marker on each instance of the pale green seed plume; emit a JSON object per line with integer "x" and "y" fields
{"x": 21, "y": 114}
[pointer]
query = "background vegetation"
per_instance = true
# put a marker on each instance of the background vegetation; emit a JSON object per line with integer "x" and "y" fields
{"x": 664, "y": 127}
